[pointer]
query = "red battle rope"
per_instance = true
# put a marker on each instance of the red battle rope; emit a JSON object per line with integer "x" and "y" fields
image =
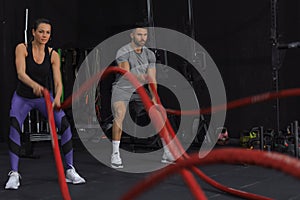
{"x": 241, "y": 102}
{"x": 230, "y": 105}
{"x": 60, "y": 169}
{"x": 168, "y": 133}
{"x": 272, "y": 160}
{"x": 157, "y": 119}
{"x": 198, "y": 171}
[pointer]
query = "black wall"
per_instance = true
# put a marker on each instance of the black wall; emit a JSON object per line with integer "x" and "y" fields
{"x": 235, "y": 33}
{"x": 289, "y": 71}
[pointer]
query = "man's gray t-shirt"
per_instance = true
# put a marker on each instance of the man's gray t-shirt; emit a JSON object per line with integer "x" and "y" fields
{"x": 139, "y": 64}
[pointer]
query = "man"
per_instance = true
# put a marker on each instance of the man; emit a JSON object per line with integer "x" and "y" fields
{"x": 136, "y": 58}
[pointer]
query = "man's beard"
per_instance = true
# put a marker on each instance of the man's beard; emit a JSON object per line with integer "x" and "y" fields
{"x": 139, "y": 44}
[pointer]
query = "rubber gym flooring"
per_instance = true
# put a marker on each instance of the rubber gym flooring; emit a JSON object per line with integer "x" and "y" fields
{"x": 39, "y": 179}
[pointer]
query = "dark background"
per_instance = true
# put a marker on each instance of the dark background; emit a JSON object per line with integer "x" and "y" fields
{"x": 235, "y": 33}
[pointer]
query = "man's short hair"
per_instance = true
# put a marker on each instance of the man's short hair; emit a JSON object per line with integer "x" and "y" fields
{"x": 140, "y": 25}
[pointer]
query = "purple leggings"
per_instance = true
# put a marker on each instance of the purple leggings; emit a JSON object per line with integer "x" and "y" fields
{"x": 20, "y": 107}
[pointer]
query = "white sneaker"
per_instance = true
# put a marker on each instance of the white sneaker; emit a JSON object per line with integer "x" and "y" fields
{"x": 167, "y": 158}
{"x": 116, "y": 161}
{"x": 13, "y": 181}
{"x": 73, "y": 177}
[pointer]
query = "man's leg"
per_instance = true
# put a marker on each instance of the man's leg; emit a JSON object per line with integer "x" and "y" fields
{"x": 119, "y": 108}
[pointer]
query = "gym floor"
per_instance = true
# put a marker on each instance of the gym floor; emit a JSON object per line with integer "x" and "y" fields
{"x": 39, "y": 179}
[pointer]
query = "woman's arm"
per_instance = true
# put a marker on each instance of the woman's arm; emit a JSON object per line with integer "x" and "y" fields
{"x": 55, "y": 61}
{"x": 21, "y": 53}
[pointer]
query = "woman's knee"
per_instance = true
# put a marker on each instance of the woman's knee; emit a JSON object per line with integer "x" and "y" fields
{"x": 64, "y": 125}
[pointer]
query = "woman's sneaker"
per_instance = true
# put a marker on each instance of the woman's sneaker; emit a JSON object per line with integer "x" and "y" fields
{"x": 13, "y": 181}
{"x": 73, "y": 177}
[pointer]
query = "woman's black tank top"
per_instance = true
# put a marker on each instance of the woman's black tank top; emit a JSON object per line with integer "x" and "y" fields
{"x": 37, "y": 72}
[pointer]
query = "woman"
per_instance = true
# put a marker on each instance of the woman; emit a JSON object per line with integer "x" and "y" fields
{"x": 34, "y": 62}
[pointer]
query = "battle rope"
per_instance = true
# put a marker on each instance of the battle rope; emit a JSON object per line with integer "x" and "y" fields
{"x": 167, "y": 132}
{"x": 277, "y": 161}
{"x": 241, "y": 102}
{"x": 198, "y": 171}
{"x": 230, "y": 105}
{"x": 59, "y": 166}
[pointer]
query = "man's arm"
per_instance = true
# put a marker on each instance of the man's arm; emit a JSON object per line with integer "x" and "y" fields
{"x": 151, "y": 72}
{"x": 124, "y": 65}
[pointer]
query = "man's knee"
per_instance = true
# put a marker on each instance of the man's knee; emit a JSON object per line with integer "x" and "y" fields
{"x": 119, "y": 111}
{"x": 120, "y": 114}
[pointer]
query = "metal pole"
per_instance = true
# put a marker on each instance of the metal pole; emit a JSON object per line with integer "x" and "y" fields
{"x": 26, "y": 24}
{"x": 191, "y": 19}
{"x": 296, "y": 140}
{"x": 38, "y": 121}
{"x": 151, "y": 41}
{"x": 149, "y": 12}
{"x": 29, "y": 123}
{"x": 261, "y": 138}
{"x": 275, "y": 57}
